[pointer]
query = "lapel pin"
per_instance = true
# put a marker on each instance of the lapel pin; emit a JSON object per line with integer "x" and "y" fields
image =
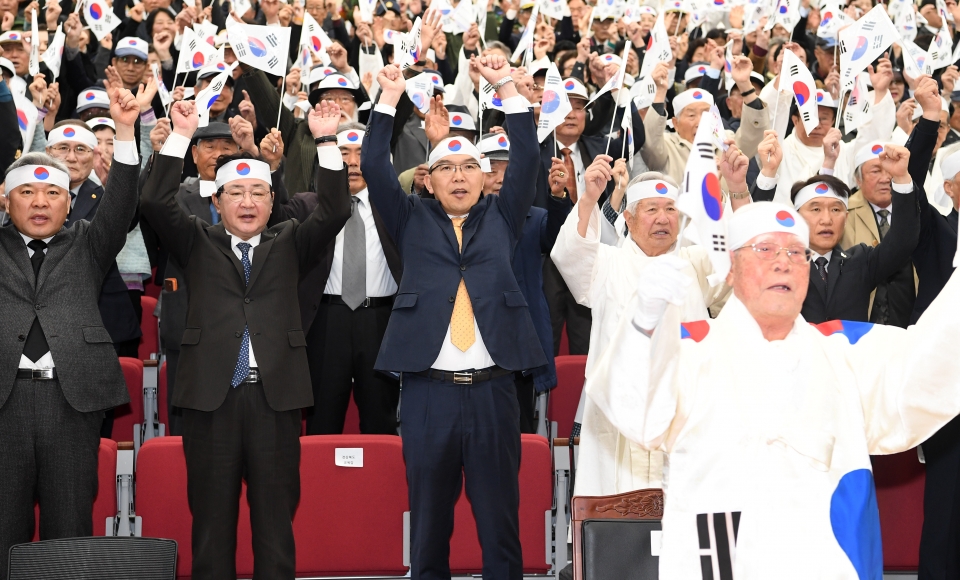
{"x": 93, "y": 196}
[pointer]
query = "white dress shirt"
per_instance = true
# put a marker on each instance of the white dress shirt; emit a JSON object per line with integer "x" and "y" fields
{"x": 380, "y": 281}
{"x": 254, "y": 242}
{"x": 477, "y": 357}
{"x": 817, "y": 256}
{"x": 876, "y": 210}
{"x": 123, "y": 152}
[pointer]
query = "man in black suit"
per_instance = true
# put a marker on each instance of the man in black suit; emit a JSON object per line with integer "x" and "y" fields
{"x": 460, "y": 329}
{"x": 345, "y": 305}
{"x": 72, "y": 142}
{"x": 61, "y": 371}
{"x": 243, "y": 374}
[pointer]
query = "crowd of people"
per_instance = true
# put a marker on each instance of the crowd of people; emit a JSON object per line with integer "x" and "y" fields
{"x": 429, "y": 197}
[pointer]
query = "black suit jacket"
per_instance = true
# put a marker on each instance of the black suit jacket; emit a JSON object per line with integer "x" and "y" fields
{"x": 119, "y": 317}
{"x": 64, "y": 297}
{"x": 313, "y": 283}
{"x": 854, "y": 273}
{"x": 221, "y": 304}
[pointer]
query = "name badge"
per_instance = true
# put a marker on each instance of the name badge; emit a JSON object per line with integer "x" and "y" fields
{"x": 348, "y": 457}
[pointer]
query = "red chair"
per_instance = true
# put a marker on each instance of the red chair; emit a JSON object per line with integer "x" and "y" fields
{"x": 564, "y": 342}
{"x": 125, "y": 417}
{"x": 563, "y": 400}
{"x": 105, "y": 504}
{"x": 150, "y": 341}
{"x": 349, "y": 520}
{"x": 536, "y": 498}
{"x": 900, "y": 479}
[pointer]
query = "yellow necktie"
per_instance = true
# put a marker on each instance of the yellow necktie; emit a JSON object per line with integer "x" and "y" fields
{"x": 461, "y": 322}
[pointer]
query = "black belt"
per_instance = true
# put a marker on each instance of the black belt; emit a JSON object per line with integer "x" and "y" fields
{"x": 37, "y": 374}
{"x": 367, "y": 303}
{"x": 465, "y": 377}
{"x": 253, "y": 376}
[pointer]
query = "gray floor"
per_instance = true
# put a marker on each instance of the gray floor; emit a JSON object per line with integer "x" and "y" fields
{"x": 900, "y": 576}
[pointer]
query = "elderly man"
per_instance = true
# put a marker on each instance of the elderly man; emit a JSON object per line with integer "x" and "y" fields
{"x": 604, "y": 278}
{"x": 61, "y": 371}
{"x": 301, "y": 161}
{"x": 243, "y": 376}
{"x": 668, "y": 152}
{"x": 769, "y": 422}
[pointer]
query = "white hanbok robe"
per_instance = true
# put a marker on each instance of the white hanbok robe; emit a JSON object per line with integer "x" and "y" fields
{"x": 604, "y": 278}
{"x": 780, "y": 431}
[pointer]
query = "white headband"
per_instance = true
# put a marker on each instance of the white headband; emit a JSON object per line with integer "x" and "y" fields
{"x": 36, "y": 174}
{"x": 764, "y": 217}
{"x": 349, "y": 137}
{"x": 494, "y": 143}
{"x": 868, "y": 152}
{"x": 818, "y": 190}
{"x": 650, "y": 189}
{"x": 243, "y": 169}
{"x": 690, "y": 97}
{"x": 453, "y": 146}
{"x": 74, "y": 133}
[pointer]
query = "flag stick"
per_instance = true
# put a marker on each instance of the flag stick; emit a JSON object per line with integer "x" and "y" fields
{"x": 610, "y": 133}
{"x": 283, "y": 88}
{"x": 683, "y": 225}
{"x": 836, "y": 122}
{"x": 776, "y": 106}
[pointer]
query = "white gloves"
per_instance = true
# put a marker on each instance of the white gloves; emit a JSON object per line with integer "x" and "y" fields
{"x": 662, "y": 282}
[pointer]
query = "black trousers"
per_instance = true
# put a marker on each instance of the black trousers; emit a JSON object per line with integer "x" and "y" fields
{"x": 527, "y": 399}
{"x": 451, "y": 432}
{"x": 564, "y": 309}
{"x": 940, "y": 538}
{"x": 342, "y": 347}
{"x": 49, "y": 453}
{"x": 242, "y": 440}
{"x": 174, "y": 414}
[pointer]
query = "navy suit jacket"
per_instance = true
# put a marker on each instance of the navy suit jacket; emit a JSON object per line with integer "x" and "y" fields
{"x": 433, "y": 264}
{"x": 933, "y": 257}
{"x": 540, "y": 231}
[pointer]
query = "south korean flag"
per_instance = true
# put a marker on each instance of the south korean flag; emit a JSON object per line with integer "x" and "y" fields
{"x": 262, "y": 47}
{"x": 208, "y": 96}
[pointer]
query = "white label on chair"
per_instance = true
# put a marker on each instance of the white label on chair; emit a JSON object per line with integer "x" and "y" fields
{"x": 656, "y": 538}
{"x": 348, "y": 457}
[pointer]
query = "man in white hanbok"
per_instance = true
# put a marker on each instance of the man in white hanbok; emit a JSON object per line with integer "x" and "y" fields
{"x": 768, "y": 418}
{"x": 604, "y": 278}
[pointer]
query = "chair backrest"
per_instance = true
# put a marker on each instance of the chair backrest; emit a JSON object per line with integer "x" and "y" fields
{"x": 105, "y": 504}
{"x": 150, "y": 341}
{"x": 536, "y": 498}
{"x": 642, "y": 504}
{"x": 94, "y": 558}
{"x": 564, "y": 400}
{"x": 126, "y": 417}
{"x": 900, "y": 480}
{"x": 162, "y": 496}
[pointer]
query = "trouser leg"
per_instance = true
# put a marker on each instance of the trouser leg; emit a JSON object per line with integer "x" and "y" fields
{"x": 271, "y": 451}
{"x": 174, "y": 414}
{"x": 491, "y": 454}
{"x": 431, "y": 431}
{"x": 19, "y": 469}
{"x": 939, "y": 549}
{"x": 329, "y": 355}
{"x": 553, "y": 289}
{"x": 527, "y": 399}
{"x": 213, "y": 447}
{"x": 375, "y": 393}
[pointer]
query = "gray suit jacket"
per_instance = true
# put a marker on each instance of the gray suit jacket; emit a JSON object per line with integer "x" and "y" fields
{"x": 64, "y": 297}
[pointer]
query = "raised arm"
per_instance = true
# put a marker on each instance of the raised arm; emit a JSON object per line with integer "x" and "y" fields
{"x": 893, "y": 252}
{"x": 108, "y": 230}
{"x": 333, "y": 207}
{"x": 158, "y": 203}
{"x": 654, "y": 152}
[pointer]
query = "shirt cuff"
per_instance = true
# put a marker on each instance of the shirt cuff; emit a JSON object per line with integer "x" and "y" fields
{"x": 511, "y": 15}
{"x": 902, "y": 187}
{"x": 764, "y": 182}
{"x": 826, "y": 171}
{"x": 386, "y": 109}
{"x": 515, "y": 104}
{"x": 713, "y": 73}
{"x": 330, "y": 158}
{"x": 126, "y": 152}
{"x": 176, "y": 145}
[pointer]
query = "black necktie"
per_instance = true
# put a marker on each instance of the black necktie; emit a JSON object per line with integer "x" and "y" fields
{"x": 821, "y": 263}
{"x": 36, "y": 345}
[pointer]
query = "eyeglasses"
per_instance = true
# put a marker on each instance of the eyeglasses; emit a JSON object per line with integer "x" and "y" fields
{"x": 340, "y": 99}
{"x": 258, "y": 195}
{"x": 78, "y": 150}
{"x": 132, "y": 60}
{"x": 768, "y": 252}
{"x": 448, "y": 169}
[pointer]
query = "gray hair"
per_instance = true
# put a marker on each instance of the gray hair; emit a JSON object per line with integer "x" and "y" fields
{"x": 351, "y": 126}
{"x": 36, "y": 158}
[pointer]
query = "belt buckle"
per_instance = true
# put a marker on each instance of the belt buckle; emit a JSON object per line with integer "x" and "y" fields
{"x": 365, "y": 303}
{"x": 253, "y": 376}
{"x": 463, "y": 378}
{"x": 40, "y": 374}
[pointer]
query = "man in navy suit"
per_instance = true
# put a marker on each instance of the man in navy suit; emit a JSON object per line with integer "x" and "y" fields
{"x": 460, "y": 329}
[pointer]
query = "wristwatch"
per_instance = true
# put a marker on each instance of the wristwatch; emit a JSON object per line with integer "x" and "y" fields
{"x": 738, "y": 196}
{"x": 325, "y": 139}
{"x": 501, "y": 82}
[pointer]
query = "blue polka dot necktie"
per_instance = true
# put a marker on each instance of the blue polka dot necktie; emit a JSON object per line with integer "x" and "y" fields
{"x": 242, "y": 369}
